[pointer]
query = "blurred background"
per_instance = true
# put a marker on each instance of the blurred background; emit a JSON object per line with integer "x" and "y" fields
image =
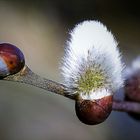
{"x": 39, "y": 28}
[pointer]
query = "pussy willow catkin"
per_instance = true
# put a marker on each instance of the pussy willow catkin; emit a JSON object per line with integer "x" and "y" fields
{"x": 92, "y": 67}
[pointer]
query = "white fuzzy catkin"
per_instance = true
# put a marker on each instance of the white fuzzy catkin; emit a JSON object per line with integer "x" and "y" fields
{"x": 92, "y": 45}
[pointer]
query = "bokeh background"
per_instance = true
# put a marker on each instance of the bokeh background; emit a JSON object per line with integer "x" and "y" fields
{"x": 39, "y": 28}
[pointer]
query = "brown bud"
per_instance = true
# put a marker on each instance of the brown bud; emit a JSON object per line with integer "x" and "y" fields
{"x": 11, "y": 60}
{"x": 94, "y": 112}
{"x": 132, "y": 87}
{"x": 132, "y": 90}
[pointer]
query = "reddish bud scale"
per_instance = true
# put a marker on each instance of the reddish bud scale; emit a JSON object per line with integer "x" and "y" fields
{"x": 94, "y": 112}
{"x": 11, "y": 59}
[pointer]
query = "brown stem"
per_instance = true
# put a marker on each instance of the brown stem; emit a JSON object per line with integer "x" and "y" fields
{"x": 125, "y": 106}
{"x": 28, "y": 77}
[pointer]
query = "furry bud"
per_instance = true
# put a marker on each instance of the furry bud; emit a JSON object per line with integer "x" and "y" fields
{"x": 92, "y": 67}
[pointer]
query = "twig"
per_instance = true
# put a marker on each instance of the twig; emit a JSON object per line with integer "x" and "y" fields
{"x": 125, "y": 106}
{"x": 28, "y": 77}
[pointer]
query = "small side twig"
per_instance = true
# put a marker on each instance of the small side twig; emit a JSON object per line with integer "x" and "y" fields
{"x": 125, "y": 106}
{"x": 28, "y": 77}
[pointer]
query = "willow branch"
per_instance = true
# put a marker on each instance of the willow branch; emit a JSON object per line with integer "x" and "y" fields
{"x": 125, "y": 106}
{"x": 28, "y": 77}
